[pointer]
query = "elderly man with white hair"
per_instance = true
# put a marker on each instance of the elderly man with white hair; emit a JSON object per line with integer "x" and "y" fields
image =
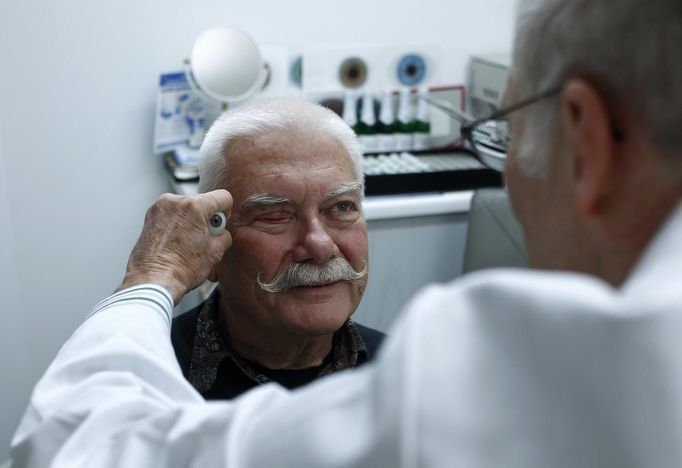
{"x": 297, "y": 266}
{"x": 578, "y": 363}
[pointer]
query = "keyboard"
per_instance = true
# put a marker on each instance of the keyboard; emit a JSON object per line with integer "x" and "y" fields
{"x": 387, "y": 174}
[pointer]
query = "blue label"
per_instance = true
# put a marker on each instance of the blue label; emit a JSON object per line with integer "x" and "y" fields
{"x": 173, "y": 80}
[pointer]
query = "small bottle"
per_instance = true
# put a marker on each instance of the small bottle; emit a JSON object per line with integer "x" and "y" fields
{"x": 367, "y": 128}
{"x": 387, "y": 124}
{"x": 404, "y": 138}
{"x": 350, "y": 109}
{"x": 195, "y": 123}
{"x": 422, "y": 124}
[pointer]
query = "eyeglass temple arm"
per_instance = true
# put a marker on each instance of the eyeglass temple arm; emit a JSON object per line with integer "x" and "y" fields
{"x": 518, "y": 105}
{"x": 459, "y": 116}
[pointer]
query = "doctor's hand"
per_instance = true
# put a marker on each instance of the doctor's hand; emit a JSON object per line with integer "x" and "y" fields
{"x": 182, "y": 239}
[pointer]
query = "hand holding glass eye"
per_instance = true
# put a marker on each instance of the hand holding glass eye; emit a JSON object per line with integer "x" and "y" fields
{"x": 217, "y": 224}
{"x": 183, "y": 260}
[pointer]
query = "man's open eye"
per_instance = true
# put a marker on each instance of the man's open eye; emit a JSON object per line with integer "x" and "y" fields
{"x": 344, "y": 207}
{"x": 344, "y": 210}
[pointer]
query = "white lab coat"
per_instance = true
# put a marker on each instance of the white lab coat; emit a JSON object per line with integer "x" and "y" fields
{"x": 502, "y": 369}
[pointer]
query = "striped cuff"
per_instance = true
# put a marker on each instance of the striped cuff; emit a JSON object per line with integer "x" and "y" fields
{"x": 143, "y": 294}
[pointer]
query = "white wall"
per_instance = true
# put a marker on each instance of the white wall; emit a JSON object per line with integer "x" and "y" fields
{"x": 77, "y": 91}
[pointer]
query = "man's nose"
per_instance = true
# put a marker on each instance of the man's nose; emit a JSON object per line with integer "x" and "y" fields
{"x": 316, "y": 243}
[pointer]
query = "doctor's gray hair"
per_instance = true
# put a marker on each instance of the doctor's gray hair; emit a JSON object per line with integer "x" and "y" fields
{"x": 285, "y": 116}
{"x": 629, "y": 49}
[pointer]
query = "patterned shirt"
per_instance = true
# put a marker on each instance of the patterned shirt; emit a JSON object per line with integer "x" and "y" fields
{"x": 217, "y": 370}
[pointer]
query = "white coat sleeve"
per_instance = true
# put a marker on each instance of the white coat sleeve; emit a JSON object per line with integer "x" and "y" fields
{"x": 115, "y": 396}
{"x": 501, "y": 369}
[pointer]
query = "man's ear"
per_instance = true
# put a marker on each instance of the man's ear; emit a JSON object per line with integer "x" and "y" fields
{"x": 588, "y": 129}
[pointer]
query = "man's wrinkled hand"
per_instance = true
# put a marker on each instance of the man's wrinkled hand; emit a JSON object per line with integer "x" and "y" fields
{"x": 176, "y": 249}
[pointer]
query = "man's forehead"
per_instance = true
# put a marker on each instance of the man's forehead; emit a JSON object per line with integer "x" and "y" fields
{"x": 253, "y": 158}
{"x": 285, "y": 145}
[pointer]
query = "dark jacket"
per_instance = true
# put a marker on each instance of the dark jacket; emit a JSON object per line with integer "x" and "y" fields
{"x": 218, "y": 372}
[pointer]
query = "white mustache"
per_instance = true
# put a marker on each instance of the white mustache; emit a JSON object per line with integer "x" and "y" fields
{"x": 307, "y": 274}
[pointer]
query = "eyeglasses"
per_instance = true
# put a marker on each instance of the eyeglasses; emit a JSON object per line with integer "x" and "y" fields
{"x": 488, "y": 138}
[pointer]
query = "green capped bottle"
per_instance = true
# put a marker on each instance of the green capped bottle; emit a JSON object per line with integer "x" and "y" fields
{"x": 422, "y": 124}
{"x": 367, "y": 130}
{"x": 387, "y": 124}
{"x": 404, "y": 136}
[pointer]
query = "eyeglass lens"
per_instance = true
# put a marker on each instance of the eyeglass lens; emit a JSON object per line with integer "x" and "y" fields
{"x": 491, "y": 135}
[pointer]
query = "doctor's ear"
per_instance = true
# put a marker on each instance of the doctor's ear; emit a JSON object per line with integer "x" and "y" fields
{"x": 590, "y": 138}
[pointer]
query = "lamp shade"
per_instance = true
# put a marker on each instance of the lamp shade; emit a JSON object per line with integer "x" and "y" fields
{"x": 226, "y": 64}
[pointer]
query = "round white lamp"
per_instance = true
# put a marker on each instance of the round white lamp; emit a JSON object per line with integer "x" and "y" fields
{"x": 226, "y": 65}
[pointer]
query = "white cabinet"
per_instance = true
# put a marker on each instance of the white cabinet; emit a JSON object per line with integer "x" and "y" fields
{"x": 404, "y": 255}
